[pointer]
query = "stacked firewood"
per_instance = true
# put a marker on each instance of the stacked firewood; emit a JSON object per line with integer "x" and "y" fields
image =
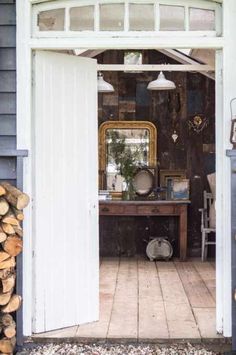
{"x": 12, "y": 202}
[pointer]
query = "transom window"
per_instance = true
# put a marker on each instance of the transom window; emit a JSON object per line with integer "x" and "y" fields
{"x": 74, "y": 17}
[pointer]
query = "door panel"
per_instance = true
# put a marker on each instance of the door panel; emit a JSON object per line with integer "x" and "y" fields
{"x": 66, "y": 267}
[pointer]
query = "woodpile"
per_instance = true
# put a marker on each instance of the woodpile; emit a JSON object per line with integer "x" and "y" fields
{"x": 12, "y": 202}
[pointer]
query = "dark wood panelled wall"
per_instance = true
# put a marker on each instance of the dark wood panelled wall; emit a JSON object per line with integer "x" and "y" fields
{"x": 194, "y": 152}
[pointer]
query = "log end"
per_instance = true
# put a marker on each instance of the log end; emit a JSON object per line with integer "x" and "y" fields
{"x": 23, "y": 201}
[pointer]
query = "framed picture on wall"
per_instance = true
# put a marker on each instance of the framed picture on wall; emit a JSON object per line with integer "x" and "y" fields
{"x": 167, "y": 178}
{"x": 180, "y": 189}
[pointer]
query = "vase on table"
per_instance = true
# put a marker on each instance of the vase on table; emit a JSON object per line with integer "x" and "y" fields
{"x": 128, "y": 192}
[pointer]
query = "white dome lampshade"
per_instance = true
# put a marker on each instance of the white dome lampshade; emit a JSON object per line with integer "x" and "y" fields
{"x": 161, "y": 83}
{"x": 104, "y": 86}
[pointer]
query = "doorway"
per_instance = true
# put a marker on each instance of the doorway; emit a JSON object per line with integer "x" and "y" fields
{"x": 138, "y": 270}
{"x": 127, "y": 236}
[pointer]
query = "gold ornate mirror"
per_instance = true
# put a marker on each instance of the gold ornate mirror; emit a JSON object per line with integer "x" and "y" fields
{"x": 137, "y": 137}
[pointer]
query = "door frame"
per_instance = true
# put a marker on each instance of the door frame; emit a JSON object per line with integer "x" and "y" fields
{"x": 25, "y": 110}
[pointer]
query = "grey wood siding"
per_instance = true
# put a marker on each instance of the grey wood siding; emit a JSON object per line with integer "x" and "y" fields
{"x": 7, "y": 87}
{"x": 11, "y": 160}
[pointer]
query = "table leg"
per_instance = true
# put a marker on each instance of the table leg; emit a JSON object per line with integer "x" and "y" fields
{"x": 183, "y": 232}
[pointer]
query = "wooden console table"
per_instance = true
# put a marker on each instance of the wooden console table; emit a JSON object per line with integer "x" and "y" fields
{"x": 151, "y": 208}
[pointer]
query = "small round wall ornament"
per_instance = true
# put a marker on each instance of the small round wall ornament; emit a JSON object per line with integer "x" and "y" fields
{"x": 197, "y": 123}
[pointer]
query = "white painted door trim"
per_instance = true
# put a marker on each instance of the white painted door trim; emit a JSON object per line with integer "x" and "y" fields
{"x": 25, "y": 45}
{"x": 24, "y": 114}
{"x": 135, "y": 42}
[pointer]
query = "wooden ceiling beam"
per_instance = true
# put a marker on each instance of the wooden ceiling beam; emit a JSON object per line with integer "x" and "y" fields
{"x": 78, "y": 51}
{"x": 87, "y": 53}
{"x": 156, "y": 67}
{"x": 184, "y": 59}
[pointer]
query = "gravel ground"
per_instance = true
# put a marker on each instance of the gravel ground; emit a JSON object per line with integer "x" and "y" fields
{"x": 94, "y": 349}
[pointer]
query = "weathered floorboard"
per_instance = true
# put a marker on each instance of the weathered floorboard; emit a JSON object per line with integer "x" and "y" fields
{"x": 180, "y": 319}
{"x": 152, "y": 318}
{"x": 206, "y": 320}
{"x": 196, "y": 290}
{"x": 108, "y": 278}
{"x": 208, "y": 274}
{"x": 124, "y": 315}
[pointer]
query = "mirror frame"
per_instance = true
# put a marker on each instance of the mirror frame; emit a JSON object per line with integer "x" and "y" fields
{"x": 152, "y": 157}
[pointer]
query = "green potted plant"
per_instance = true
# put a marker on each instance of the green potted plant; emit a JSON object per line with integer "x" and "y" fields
{"x": 126, "y": 160}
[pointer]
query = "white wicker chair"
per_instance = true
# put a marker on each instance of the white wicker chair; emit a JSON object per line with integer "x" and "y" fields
{"x": 205, "y": 223}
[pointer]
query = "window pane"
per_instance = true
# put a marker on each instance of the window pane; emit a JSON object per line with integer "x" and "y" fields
{"x": 202, "y": 20}
{"x": 171, "y": 18}
{"x": 51, "y": 20}
{"x": 82, "y": 18}
{"x": 112, "y": 17}
{"x": 141, "y": 17}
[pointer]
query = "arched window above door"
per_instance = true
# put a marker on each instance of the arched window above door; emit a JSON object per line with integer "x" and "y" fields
{"x": 116, "y": 17}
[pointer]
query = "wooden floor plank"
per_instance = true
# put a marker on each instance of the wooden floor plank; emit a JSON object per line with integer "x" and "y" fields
{"x": 108, "y": 278}
{"x": 180, "y": 319}
{"x": 208, "y": 275}
{"x": 124, "y": 317}
{"x": 206, "y": 319}
{"x": 196, "y": 290}
{"x": 152, "y": 319}
{"x": 213, "y": 264}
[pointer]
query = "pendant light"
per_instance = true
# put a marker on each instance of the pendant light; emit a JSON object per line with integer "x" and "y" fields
{"x": 104, "y": 86}
{"x": 161, "y": 83}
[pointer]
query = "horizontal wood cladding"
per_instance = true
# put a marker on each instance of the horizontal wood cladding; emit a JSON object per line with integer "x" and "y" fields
{"x": 7, "y": 87}
{"x": 7, "y": 81}
{"x": 7, "y": 58}
{"x": 7, "y": 2}
{"x": 8, "y": 142}
{"x": 7, "y": 36}
{"x": 8, "y": 125}
{"x": 7, "y": 103}
{"x": 8, "y": 168}
{"x": 193, "y": 152}
{"x": 8, "y": 14}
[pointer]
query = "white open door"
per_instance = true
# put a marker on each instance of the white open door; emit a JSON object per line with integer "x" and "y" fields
{"x": 65, "y": 208}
